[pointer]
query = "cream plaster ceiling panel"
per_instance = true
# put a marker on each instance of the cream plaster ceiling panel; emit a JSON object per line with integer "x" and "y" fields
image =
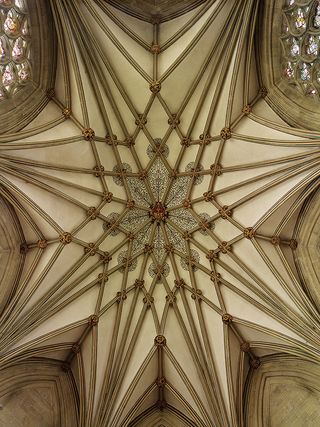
{"x": 158, "y": 194}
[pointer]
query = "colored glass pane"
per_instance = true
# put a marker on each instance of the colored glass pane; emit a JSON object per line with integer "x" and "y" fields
{"x": 300, "y": 40}
{"x": 15, "y": 65}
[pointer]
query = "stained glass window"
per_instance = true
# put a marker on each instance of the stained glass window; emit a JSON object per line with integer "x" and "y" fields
{"x": 300, "y": 41}
{"x": 15, "y": 66}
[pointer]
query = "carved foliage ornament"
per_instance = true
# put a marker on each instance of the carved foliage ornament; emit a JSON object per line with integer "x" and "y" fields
{"x": 93, "y": 320}
{"x": 160, "y": 341}
{"x": 107, "y": 196}
{"x": 225, "y": 133}
{"x": 88, "y": 134}
{"x": 66, "y": 112}
{"x": 155, "y": 48}
{"x": 42, "y": 244}
{"x": 249, "y": 233}
{"x": 155, "y": 87}
{"x": 105, "y": 257}
{"x": 227, "y": 318}
{"x": 65, "y": 238}
{"x": 225, "y": 212}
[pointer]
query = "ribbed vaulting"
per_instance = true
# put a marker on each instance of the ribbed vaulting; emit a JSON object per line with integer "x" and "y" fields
{"x": 158, "y": 194}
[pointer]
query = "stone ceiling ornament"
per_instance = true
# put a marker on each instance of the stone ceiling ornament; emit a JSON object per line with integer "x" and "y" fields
{"x": 157, "y": 207}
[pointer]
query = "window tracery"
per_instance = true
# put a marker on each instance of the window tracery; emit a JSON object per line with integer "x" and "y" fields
{"x": 300, "y": 41}
{"x": 15, "y": 67}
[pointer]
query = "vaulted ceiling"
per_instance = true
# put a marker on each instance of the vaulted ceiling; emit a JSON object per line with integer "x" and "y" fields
{"x": 158, "y": 194}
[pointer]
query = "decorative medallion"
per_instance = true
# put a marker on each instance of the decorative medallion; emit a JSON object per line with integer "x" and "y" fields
{"x": 155, "y": 210}
{"x": 158, "y": 212}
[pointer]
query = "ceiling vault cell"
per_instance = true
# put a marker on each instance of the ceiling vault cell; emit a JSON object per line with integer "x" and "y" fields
{"x": 162, "y": 214}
